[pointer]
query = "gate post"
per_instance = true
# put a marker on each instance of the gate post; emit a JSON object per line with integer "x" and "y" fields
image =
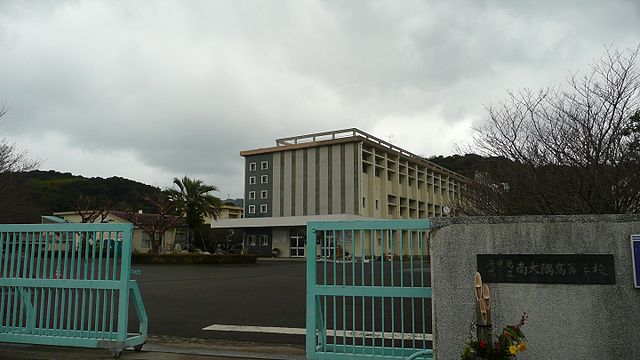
{"x": 312, "y": 331}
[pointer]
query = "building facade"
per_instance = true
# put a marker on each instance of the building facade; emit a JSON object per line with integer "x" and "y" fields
{"x": 227, "y": 211}
{"x": 336, "y": 175}
{"x": 141, "y": 239}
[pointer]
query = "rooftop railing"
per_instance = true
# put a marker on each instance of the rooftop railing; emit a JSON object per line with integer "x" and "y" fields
{"x": 353, "y": 132}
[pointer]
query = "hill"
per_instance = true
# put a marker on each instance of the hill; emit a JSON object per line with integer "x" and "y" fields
{"x": 37, "y": 193}
{"x": 470, "y": 164}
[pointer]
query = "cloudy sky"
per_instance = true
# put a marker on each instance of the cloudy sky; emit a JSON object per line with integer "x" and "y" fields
{"x": 149, "y": 90}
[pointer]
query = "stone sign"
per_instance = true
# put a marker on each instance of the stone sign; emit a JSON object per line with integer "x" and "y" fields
{"x": 547, "y": 268}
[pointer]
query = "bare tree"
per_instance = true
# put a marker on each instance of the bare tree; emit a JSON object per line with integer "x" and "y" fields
{"x": 13, "y": 159}
{"x": 571, "y": 150}
{"x": 90, "y": 210}
{"x": 155, "y": 225}
{"x": 13, "y": 163}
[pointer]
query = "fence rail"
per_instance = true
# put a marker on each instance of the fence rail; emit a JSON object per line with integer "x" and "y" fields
{"x": 69, "y": 285}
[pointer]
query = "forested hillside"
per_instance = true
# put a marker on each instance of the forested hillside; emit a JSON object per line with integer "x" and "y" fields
{"x": 470, "y": 164}
{"x": 37, "y": 193}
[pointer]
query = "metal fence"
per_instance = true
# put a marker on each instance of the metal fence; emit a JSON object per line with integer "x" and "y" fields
{"x": 368, "y": 290}
{"x": 69, "y": 285}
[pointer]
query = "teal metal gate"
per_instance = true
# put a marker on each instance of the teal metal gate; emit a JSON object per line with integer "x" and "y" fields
{"x": 69, "y": 285}
{"x": 368, "y": 290}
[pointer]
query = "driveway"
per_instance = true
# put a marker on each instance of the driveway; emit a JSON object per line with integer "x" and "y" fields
{"x": 181, "y": 300}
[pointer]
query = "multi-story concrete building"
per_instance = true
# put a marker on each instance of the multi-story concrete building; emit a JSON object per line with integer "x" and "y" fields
{"x": 336, "y": 175}
{"x": 227, "y": 211}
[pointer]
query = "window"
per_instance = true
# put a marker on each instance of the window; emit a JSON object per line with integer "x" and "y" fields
{"x": 146, "y": 240}
{"x": 264, "y": 179}
{"x": 263, "y": 208}
{"x": 252, "y": 209}
{"x": 251, "y": 239}
{"x": 264, "y": 165}
{"x": 264, "y": 194}
{"x": 364, "y": 202}
{"x": 252, "y": 166}
{"x": 377, "y": 204}
{"x": 252, "y": 195}
{"x": 347, "y": 237}
{"x": 264, "y": 240}
{"x": 326, "y": 241}
{"x": 252, "y": 180}
{"x": 181, "y": 235}
{"x": 297, "y": 242}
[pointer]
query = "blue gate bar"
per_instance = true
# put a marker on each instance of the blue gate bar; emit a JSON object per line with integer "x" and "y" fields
{"x": 360, "y": 302}
{"x": 69, "y": 285}
{"x": 635, "y": 259}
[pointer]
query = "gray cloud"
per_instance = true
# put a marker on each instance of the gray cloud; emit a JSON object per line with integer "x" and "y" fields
{"x": 155, "y": 90}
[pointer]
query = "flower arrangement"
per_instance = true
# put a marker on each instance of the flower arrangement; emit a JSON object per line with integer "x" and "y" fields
{"x": 508, "y": 344}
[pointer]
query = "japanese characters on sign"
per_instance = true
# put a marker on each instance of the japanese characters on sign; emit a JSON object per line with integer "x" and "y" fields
{"x": 547, "y": 268}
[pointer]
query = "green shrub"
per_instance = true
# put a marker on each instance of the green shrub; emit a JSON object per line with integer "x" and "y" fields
{"x": 192, "y": 259}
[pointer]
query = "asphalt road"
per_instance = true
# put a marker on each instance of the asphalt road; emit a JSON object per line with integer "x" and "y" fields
{"x": 182, "y": 300}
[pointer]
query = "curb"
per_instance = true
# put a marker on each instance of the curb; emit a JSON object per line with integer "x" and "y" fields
{"x": 173, "y": 348}
{"x": 281, "y": 259}
{"x": 236, "y": 354}
{"x": 223, "y": 348}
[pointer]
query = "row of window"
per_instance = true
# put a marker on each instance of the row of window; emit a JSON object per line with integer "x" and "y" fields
{"x": 264, "y": 194}
{"x": 264, "y": 179}
{"x": 264, "y": 165}
{"x": 264, "y": 240}
{"x": 263, "y": 209}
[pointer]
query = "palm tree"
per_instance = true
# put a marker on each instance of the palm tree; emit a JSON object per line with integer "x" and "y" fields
{"x": 192, "y": 200}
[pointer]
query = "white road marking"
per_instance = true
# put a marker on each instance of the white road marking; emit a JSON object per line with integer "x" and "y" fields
{"x": 257, "y": 329}
{"x": 330, "y": 332}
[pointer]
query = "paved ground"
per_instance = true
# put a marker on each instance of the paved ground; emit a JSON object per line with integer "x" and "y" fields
{"x": 160, "y": 348}
{"x": 182, "y": 300}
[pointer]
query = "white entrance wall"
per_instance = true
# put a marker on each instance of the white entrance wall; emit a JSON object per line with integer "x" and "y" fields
{"x": 281, "y": 241}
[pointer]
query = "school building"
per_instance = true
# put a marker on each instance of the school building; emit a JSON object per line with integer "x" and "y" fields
{"x": 335, "y": 175}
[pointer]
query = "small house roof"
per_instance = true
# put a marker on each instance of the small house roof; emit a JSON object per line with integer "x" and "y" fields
{"x": 143, "y": 218}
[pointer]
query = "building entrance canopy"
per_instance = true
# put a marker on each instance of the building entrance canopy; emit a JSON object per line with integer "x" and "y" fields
{"x": 282, "y": 221}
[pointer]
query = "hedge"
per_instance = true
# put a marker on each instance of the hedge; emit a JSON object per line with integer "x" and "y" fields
{"x": 192, "y": 259}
